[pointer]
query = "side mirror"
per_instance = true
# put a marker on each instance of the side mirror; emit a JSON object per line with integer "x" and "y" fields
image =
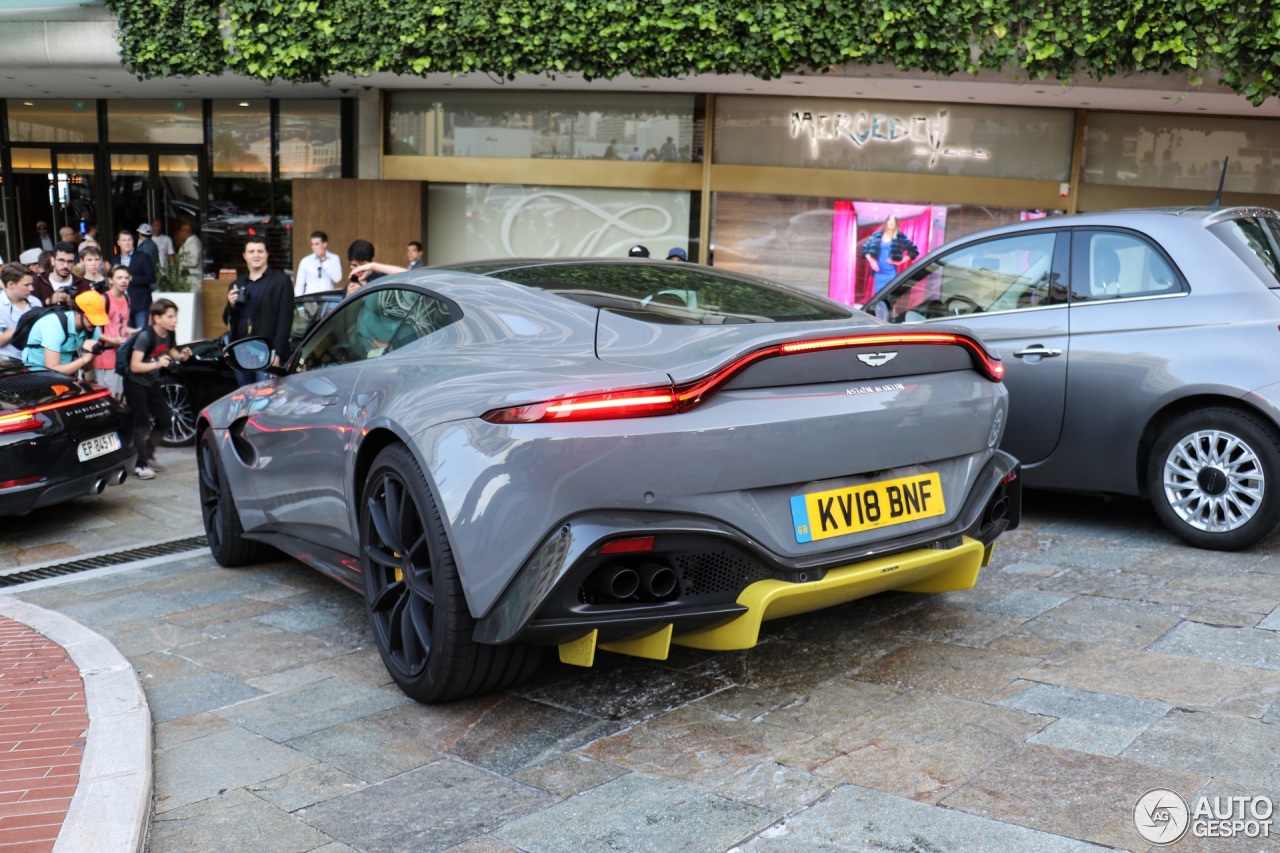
{"x": 251, "y": 354}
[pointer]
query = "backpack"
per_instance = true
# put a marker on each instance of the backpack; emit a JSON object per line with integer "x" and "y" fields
{"x": 22, "y": 331}
{"x": 124, "y": 353}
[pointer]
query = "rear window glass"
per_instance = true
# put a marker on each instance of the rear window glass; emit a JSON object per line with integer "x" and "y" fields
{"x": 1256, "y": 241}
{"x": 675, "y": 293}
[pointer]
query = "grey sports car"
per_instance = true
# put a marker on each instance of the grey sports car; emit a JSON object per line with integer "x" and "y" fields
{"x": 1139, "y": 348}
{"x": 605, "y": 454}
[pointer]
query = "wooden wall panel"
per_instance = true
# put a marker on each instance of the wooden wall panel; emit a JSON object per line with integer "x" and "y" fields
{"x": 386, "y": 213}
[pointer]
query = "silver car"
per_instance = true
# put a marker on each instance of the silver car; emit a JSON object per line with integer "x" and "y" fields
{"x": 1139, "y": 352}
{"x": 605, "y": 455}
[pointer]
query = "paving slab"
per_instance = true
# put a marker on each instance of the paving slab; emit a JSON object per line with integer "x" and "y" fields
{"x": 428, "y": 809}
{"x": 858, "y": 819}
{"x": 1098, "y": 723}
{"x": 1077, "y": 795}
{"x": 1242, "y": 646}
{"x": 234, "y": 821}
{"x": 297, "y": 711}
{"x": 640, "y": 813}
{"x": 1241, "y": 749}
{"x": 918, "y": 745}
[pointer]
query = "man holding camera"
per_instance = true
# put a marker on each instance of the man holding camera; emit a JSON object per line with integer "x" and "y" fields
{"x": 67, "y": 341}
{"x": 59, "y": 285}
{"x": 260, "y": 304}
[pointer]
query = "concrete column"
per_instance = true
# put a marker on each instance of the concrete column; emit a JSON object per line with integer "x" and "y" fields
{"x": 369, "y": 134}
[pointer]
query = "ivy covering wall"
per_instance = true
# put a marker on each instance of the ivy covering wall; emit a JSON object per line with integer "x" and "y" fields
{"x": 1235, "y": 42}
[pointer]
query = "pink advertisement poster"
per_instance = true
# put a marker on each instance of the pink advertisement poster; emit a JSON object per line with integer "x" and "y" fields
{"x": 871, "y": 242}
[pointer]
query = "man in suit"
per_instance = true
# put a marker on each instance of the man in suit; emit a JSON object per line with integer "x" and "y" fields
{"x": 416, "y": 261}
{"x": 260, "y": 304}
{"x": 142, "y": 276}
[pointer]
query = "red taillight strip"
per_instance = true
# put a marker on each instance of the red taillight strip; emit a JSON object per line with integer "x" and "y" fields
{"x": 641, "y": 403}
{"x": 25, "y": 419}
{"x": 662, "y": 401}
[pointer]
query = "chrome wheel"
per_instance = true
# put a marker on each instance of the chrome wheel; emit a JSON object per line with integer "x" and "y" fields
{"x": 1214, "y": 481}
{"x": 401, "y": 595}
{"x": 182, "y": 419}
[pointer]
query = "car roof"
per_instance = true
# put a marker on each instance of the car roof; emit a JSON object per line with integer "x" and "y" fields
{"x": 1137, "y": 218}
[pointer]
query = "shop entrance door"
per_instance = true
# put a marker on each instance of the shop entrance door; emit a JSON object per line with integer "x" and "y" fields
{"x": 52, "y": 189}
{"x": 158, "y": 188}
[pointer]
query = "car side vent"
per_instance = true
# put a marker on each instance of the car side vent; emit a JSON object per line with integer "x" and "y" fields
{"x": 718, "y": 571}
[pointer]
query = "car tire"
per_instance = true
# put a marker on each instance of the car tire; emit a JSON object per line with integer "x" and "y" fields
{"x": 222, "y": 526}
{"x": 413, "y": 593}
{"x": 1214, "y": 478}
{"x": 182, "y": 416}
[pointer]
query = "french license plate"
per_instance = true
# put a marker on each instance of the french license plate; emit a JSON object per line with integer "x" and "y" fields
{"x": 100, "y": 446}
{"x": 837, "y": 512}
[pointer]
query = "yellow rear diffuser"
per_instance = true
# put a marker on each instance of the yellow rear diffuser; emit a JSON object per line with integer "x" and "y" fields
{"x": 922, "y": 570}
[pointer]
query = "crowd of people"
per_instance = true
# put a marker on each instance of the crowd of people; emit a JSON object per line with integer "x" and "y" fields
{"x": 66, "y": 307}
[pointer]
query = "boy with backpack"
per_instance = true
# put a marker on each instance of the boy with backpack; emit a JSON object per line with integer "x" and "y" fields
{"x": 61, "y": 338}
{"x": 141, "y": 358}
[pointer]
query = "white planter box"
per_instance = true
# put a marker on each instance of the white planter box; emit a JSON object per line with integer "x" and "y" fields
{"x": 188, "y": 316}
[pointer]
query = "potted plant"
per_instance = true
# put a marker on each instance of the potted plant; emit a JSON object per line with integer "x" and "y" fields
{"x": 171, "y": 284}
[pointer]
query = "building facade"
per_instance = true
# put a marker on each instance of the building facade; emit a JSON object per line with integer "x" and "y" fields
{"x": 786, "y": 178}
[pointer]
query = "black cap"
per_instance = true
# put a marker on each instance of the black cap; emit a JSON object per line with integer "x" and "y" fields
{"x": 638, "y": 252}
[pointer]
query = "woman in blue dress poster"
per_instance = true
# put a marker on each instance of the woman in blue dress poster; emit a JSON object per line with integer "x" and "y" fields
{"x": 885, "y": 250}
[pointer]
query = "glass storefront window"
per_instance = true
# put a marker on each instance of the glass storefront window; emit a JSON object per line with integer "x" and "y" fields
{"x": 34, "y": 226}
{"x": 310, "y": 147}
{"x": 562, "y": 125}
{"x": 170, "y": 122}
{"x": 471, "y": 222}
{"x": 1181, "y": 152}
{"x": 892, "y": 136}
{"x": 52, "y": 121}
{"x": 820, "y": 244}
{"x": 240, "y": 203}
{"x": 310, "y": 139}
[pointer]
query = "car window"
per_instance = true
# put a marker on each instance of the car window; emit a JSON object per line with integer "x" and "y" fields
{"x": 675, "y": 293}
{"x": 1004, "y": 274}
{"x": 426, "y": 315}
{"x": 1256, "y": 241}
{"x": 305, "y": 312}
{"x": 370, "y": 325}
{"x": 1118, "y": 265}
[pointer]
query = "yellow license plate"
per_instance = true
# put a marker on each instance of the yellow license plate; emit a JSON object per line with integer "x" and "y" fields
{"x": 838, "y": 512}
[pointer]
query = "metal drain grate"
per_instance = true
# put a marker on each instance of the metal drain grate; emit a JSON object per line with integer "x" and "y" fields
{"x": 164, "y": 549}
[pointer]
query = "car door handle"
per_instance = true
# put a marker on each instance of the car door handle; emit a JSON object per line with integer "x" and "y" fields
{"x": 1037, "y": 349}
{"x": 328, "y": 401}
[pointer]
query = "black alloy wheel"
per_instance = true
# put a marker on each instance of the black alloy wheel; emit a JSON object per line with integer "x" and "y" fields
{"x": 218, "y": 511}
{"x": 413, "y": 593}
{"x": 182, "y": 416}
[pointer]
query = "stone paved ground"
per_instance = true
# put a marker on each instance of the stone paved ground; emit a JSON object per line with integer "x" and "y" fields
{"x": 1095, "y": 660}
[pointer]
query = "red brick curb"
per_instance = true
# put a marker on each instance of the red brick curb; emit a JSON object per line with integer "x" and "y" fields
{"x": 43, "y": 726}
{"x": 75, "y": 738}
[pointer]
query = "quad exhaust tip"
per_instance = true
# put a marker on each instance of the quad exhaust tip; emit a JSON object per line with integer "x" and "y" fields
{"x": 98, "y": 486}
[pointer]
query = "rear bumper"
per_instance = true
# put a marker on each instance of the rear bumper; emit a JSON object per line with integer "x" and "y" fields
{"x": 720, "y": 572}
{"x": 922, "y": 570}
{"x": 110, "y": 470}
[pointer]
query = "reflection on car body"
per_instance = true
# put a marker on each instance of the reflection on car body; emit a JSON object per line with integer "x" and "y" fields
{"x": 60, "y": 438}
{"x": 509, "y": 455}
